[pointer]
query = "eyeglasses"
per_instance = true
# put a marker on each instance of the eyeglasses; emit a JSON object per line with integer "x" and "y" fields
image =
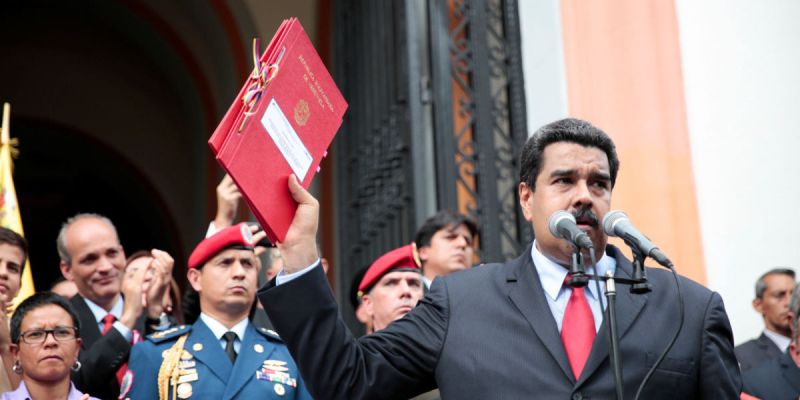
{"x": 60, "y": 333}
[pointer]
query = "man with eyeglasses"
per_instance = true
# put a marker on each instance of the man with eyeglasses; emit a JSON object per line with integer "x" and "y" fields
{"x": 222, "y": 355}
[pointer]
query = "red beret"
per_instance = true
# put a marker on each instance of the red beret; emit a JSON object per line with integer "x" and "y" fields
{"x": 232, "y": 236}
{"x": 405, "y": 257}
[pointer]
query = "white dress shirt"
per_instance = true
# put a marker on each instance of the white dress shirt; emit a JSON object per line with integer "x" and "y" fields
{"x": 218, "y": 330}
{"x": 116, "y": 311}
{"x": 552, "y": 275}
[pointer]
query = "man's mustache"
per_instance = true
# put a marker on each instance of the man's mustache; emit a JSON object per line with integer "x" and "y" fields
{"x": 586, "y": 216}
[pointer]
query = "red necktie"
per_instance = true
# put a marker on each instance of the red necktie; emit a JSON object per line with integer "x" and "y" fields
{"x": 108, "y": 322}
{"x": 577, "y": 330}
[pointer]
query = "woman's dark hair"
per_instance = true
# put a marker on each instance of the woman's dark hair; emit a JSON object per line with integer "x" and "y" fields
{"x": 41, "y": 299}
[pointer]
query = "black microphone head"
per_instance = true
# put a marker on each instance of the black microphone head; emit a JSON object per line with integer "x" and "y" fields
{"x": 611, "y": 219}
{"x": 555, "y": 218}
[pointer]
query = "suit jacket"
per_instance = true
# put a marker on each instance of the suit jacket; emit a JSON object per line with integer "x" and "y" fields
{"x": 776, "y": 379}
{"x": 100, "y": 356}
{"x": 214, "y": 375}
{"x": 488, "y": 333}
{"x": 756, "y": 351}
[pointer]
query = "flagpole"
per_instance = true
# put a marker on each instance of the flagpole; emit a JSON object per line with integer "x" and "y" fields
{"x": 4, "y": 138}
{"x": 11, "y": 217}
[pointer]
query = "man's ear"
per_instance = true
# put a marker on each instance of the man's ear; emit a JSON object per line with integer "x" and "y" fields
{"x": 757, "y": 305}
{"x": 193, "y": 276}
{"x": 368, "y": 305}
{"x": 66, "y": 270}
{"x": 424, "y": 253}
{"x": 526, "y": 200}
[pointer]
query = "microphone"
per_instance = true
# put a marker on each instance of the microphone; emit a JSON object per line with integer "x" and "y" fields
{"x": 562, "y": 225}
{"x": 616, "y": 223}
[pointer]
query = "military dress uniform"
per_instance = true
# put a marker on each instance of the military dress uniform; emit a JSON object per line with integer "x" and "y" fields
{"x": 188, "y": 362}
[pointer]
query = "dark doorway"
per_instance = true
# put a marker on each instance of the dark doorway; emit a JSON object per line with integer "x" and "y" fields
{"x": 61, "y": 172}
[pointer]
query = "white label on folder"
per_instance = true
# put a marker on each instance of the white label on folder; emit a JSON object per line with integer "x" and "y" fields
{"x": 286, "y": 139}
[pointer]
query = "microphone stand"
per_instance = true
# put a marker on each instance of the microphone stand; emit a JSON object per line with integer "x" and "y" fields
{"x": 578, "y": 273}
{"x": 616, "y": 359}
{"x": 641, "y": 286}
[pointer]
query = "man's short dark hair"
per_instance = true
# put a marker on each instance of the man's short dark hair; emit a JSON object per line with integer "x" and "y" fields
{"x": 570, "y": 130}
{"x": 12, "y": 238}
{"x": 37, "y": 300}
{"x": 761, "y": 283}
{"x": 442, "y": 220}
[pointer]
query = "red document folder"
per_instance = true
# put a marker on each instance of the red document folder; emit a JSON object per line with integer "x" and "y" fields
{"x": 288, "y": 131}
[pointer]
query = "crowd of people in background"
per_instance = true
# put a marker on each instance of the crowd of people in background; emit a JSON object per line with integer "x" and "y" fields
{"x": 117, "y": 327}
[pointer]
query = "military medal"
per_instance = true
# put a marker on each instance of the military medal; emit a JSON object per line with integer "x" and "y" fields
{"x": 279, "y": 389}
{"x": 184, "y": 390}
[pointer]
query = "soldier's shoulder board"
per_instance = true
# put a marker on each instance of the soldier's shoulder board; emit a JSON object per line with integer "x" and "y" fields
{"x": 168, "y": 334}
{"x": 270, "y": 334}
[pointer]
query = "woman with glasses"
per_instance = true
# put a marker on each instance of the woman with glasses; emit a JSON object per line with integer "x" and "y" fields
{"x": 45, "y": 340}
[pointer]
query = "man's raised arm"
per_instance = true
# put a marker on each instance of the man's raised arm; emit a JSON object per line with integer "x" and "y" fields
{"x": 299, "y": 248}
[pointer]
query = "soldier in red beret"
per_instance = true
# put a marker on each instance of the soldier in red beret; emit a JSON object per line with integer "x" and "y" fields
{"x": 391, "y": 287}
{"x": 222, "y": 355}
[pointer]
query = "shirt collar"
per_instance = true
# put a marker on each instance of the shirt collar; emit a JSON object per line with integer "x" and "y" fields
{"x": 99, "y": 312}
{"x": 22, "y": 393}
{"x": 781, "y": 341}
{"x": 552, "y": 275}
{"x": 218, "y": 329}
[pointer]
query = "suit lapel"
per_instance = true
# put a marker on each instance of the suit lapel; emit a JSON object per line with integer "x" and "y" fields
{"x": 628, "y": 307}
{"x": 526, "y": 293}
{"x": 211, "y": 353}
{"x": 90, "y": 332}
{"x": 790, "y": 371}
{"x": 768, "y": 346}
{"x": 248, "y": 361}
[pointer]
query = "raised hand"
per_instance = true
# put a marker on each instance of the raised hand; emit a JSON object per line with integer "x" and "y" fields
{"x": 132, "y": 290}
{"x": 228, "y": 197}
{"x": 299, "y": 249}
{"x": 161, "y": 270}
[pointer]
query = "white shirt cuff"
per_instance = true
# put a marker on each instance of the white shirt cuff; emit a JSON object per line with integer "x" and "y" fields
{"x": 283, "y": 277}
{"x": 123, "y": 330}
{"x": 212, "y": 229}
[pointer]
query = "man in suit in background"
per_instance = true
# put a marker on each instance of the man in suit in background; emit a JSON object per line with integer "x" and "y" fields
{"x": 445, "y": 243}
{"x": 513, "y": 330}
{"x": 111, "y": 314}
{"x": 779, "y": 378}
{"x": 773, "y": 290}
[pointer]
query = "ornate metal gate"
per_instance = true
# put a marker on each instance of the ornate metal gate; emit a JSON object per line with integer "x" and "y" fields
{"x": 436, "y": 121}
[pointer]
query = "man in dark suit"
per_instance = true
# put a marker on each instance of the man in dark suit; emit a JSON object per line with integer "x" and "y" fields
{"x": 111, "y": 312}
{"x": 773, "y": 290}
{"x": 779, "y": 378}
{"x": 512, "y": 330}
{"x": 444, "y": 242}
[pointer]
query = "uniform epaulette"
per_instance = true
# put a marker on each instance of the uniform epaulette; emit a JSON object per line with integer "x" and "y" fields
{"x": 270, "y": 334}
{"x": 171, "y": 333}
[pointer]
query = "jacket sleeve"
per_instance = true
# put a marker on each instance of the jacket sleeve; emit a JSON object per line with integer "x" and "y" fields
{"x": 100, "y": 362}
{"x": 397, "y": 362}
{"x": 719, "y": 371}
